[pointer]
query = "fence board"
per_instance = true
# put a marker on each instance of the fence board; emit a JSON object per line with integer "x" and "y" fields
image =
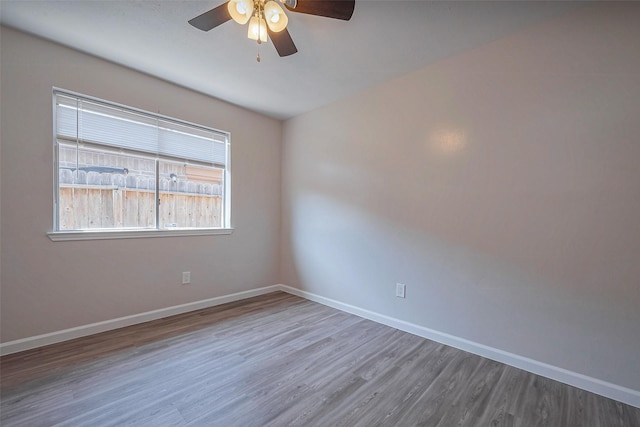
{"x": 167, "y": 207}
{"x": 146, "y": 209}
{"x": 131, "y": 218}
{"x": 80, "y": 203}
{"x": 94, "y": 208}
{"x": 106, "y": 202}
{"x": 65, "y": 208}
{"x": 118, "y": 208}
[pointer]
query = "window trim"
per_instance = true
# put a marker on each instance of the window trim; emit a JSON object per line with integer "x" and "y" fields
{"x": 63, "y": 236}
{"x": 108, "y": 234}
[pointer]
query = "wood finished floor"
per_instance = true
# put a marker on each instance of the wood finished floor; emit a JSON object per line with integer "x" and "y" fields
{"x": 279, "y": 360}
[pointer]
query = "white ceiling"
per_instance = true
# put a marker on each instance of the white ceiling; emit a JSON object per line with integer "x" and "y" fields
{"x": 383, "y": 40}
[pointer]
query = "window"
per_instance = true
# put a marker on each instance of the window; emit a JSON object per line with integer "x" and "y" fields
{"x": 122, "y": 169}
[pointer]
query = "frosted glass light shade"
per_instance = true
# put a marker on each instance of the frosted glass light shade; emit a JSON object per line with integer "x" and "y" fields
{"x": 240, "y": 10}
{"x": 257, "y": 29}
{"x": 276, "y": 18}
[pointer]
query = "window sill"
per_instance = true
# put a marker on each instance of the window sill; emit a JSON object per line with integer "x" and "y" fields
{"x": 62, "y": 236}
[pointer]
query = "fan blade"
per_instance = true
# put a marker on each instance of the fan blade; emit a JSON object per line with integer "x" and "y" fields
{"x": 283, "y": 42}
{"x": 211, "y": 19}
{"x": 338, "y": 9}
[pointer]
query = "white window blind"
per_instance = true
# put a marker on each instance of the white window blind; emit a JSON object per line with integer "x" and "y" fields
{"x": 86, "y": 120}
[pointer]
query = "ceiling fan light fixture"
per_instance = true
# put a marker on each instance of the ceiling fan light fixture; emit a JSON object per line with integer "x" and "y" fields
{"x": 240, "y": 10}
{"x": 257, "y": 29}
{"x": 273, "y": 26}
{"x": 277, "y": 20}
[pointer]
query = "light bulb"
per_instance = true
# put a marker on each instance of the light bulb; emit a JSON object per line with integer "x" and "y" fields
{"x": 240, "y": 10}
{"x": 276, "y": 18}
{"x": 257, "y": 29}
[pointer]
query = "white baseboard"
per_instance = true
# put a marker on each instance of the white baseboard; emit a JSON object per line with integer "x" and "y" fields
{"x": 603, "y": 388}
{"x": 121, "y": 322}
{"x": 594, "y": 385}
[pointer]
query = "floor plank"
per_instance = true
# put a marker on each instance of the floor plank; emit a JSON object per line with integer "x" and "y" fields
{"x": 280, "y": 360}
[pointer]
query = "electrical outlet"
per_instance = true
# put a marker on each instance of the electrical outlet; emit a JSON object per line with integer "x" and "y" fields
{"x": 186, "y": 277}
{"x": 401, "y": 290}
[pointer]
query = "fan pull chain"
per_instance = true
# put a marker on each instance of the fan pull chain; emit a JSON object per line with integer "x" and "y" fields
{"x": 260, "y": 17}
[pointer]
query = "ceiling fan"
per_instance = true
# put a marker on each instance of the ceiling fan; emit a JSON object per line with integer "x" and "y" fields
{"x": 267, "y": 18}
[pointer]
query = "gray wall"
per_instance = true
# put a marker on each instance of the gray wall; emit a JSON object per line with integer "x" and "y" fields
{"x": 49, "y": 286}
{"x": 501, "y": 185}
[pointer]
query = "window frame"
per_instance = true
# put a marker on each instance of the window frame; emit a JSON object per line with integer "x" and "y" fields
{"x": 127, "y": 233}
